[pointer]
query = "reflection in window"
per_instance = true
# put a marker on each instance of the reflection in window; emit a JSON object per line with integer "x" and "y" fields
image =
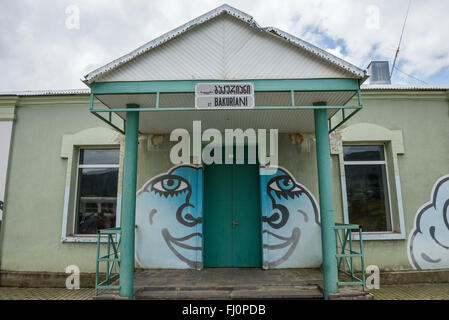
{"x": 97, "y": 190}
{"x": 367, "y": 187}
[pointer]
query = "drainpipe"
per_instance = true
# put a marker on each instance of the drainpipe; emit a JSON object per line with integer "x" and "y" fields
{"x": 328, "y": 240}
{"x": 129, "y": 203}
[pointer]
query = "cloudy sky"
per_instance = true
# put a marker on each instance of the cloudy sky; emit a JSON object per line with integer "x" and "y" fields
{"x": 43, "y": 47}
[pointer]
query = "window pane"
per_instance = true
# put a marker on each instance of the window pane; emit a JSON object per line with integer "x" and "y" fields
{"x": 96, "y": 215}
{"x": 98, "y": 182}
{"x": 367, "y": 193}
{"x": 97, "y": 199}
{"x": 95, "y": 156}
{"x": 363, "y": 153}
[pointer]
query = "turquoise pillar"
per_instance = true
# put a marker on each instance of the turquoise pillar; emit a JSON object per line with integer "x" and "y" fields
{"x": 328, "y": 238}
{"x": 129, "y": 203}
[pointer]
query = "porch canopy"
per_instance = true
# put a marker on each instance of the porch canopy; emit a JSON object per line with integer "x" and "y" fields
{"x": 297, "y": 88}
{"x": 226, "y": 45}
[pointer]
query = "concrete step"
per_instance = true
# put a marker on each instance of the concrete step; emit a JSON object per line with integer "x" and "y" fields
{"x": 229, "y": 293}
{"x": 351, "y": 295}
{"x": 109, "y": 296}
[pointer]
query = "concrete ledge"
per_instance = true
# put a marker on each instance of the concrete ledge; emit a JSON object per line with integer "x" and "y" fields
{"x": 226, "y": 293}
{"x": 33, "y": 279}
{"x": 410, "y": 276}
{"x": 275, "y": 293}
{"x": 109, "y": 296}
{"x": 414, "y": 276}
{"x": 351, "y": 295}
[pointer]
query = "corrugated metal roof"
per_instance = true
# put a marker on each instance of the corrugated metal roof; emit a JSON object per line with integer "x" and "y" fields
{"x": 225, "y": 9}
{"x": 405, "y": 87}
{"x": 225, "y": 48}
{"x": 46, "y": 92}
{"x": 364, "y": 87}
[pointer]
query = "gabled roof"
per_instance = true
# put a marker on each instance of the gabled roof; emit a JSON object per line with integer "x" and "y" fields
{"x": 226, "y": 9}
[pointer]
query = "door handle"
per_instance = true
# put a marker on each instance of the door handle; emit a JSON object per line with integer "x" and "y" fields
{"x": 234, "y": 224}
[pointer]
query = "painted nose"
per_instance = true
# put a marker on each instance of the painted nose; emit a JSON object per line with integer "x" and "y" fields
{"x": 185, "y": 217}
{"x": 278, "y": 217}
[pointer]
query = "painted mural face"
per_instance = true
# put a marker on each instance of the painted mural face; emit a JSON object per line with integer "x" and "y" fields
{"x": 291, "y": 228}
{"x": 429, "y": 240}
{"x": 168, "y": 219}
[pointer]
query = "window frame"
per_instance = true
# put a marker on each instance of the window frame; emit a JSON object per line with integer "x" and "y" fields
{"x": 365, "y": 133}
{"x": 77, "y": 185}
{"x": 371, "y": 162}
{"x": 95, "y": 138}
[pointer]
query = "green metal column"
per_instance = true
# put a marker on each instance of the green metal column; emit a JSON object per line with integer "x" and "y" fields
{"x": 129, "y": 203}
{"x": 328, "y": 238}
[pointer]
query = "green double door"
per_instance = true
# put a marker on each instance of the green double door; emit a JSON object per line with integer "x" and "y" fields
{"x": 232, "y": 218}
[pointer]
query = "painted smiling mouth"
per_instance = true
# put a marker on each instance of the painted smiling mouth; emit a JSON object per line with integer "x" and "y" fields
{"x": 179, "y": 242}
{"x": 290, "y": 242}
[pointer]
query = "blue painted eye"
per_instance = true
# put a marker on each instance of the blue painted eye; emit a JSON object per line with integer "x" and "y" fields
{"x": 286, "y": 183}
{"x": 170, "y": 185}
{"x": 285, "y": 186}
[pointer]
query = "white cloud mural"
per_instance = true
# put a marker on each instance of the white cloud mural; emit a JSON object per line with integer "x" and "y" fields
{"x": 428, "y": 246}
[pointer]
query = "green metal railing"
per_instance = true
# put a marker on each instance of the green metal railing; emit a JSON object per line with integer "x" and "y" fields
{"x": 343, "y": 233}
{"x": 112, "y": 259}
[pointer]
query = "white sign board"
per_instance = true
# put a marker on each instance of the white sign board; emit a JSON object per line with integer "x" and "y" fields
{"x": 224, "y": 95}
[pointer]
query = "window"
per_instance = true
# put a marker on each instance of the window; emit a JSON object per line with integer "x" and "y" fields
{"x": 367, "y": 187}
{"x": 96, "y": 205}
{"x": 362, "y": 147}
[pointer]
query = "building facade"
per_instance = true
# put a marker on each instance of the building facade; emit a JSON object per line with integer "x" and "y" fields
{"x": 69, "y": 173}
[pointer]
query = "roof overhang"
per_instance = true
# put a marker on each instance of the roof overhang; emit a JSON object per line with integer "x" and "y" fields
{"x": 287, "y": 105}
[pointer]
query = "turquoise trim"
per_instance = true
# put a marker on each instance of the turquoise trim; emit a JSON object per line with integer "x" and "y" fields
{"x": 129, "y": 204}
{"x": 94, "y": 112}
{"x": 264, "y": 207}
{"x": 112, "y": 259}
{"x": 328, "y": 239}
{"x": 91, "y": 102}
{"x": 343, "y": 233}
{"x": 200, "y": 202}
{"x": 183, "y": 86}
{"x": 255, "y": 108}
{"x": 109, "y": 122}
{"x": 133, "y": 87}
{"x": 157, "y": 100}
{"x": 344, "y": 116}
